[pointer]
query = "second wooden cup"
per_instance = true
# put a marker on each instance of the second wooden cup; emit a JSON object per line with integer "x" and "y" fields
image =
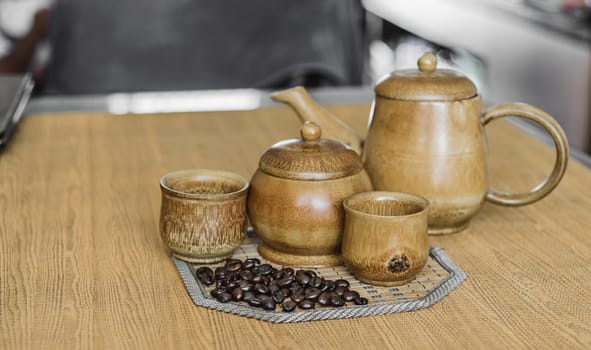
{"x": 385, "y": 239}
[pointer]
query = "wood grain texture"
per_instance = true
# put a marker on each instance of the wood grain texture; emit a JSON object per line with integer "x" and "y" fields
{"x": 82, "y": 264}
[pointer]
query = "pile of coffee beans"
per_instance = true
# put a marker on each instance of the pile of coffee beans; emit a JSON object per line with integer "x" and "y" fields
{"x": 262, "y": 285}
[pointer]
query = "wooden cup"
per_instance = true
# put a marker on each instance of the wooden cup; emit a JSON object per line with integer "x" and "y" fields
{"x": 385, "y": 239}
{"x": 203, "y": 214}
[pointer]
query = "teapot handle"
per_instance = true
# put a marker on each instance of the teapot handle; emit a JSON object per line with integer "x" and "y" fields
{"x": 560, "y": 142}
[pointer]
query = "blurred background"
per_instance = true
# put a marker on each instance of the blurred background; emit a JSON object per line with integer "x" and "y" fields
{"x": 533, "y": 51}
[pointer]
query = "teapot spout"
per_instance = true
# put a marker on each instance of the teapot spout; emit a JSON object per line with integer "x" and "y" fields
{"x": 308, "y": 110}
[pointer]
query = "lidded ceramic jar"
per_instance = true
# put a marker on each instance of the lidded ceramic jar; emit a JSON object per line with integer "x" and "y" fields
{"x": 295, "y": 198}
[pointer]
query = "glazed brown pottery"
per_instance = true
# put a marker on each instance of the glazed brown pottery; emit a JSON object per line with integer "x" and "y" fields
{"x": 203, "y": 214}
{"x": 426, "y": 136}
{"x": 385, "y": 241}
{"x": 295, "y": 198}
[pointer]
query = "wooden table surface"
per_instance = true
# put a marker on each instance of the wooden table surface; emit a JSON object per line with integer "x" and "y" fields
{"x": 82, "y": 264}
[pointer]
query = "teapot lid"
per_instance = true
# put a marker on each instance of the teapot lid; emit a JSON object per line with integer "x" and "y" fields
{"x": 310, "y": 158}
{"x": 426, "y": 84}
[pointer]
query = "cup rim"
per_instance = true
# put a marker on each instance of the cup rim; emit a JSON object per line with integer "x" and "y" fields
{"x": 165, "y": 188}
{"x": 421, "y": 201}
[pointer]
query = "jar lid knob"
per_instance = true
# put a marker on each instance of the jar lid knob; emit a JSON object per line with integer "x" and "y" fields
{"x": 427, "y": 62}
{"x": 310, "y": 131}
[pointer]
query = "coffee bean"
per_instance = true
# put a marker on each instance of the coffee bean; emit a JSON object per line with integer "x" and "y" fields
{"x": 299, "y": 296}
{"x": 302, "y": 277}
{"x": 340, "y": 290}
{"x": 279, "y": 274}
{"x": 233, "y": 276}
{"x": 268, "y": 304}
{"x": 245, "y": 285}
{"x": 269, "y": 280}
{"x": 265, "y": 269}
{"x": 256, "y": 302}
{"x": 306, "y": 304}
{"x": 294, "y": 289}
{"x": 273, "y": 288}
{"x": 288, "y": 305}
{"x": 256, "y": 278}
{"x": 286, "y": 292}
{"x": 224, "y": 297}
{"x": 324, "y": 299}
{"x": 312, "y": 293}
{"x": 328, "y": 286}
{"x": 221, "y": 283}
{"x": 289, "y": 271}
{"x": 360, "y": 301}
{"x": 316, "y": 282}
{"x": 220, "y": 272}
{"x": 205, "y": 275}
{"x": 350, "y": 295}
{"x": 206, "y": 279}
{"x": 285, "y": 281}
{"x": 310, "y": 273}
{"x": 217, "y": 291}
{"x": 203, "y": 269}
{"x": 237, "y": 294}
{"x": 233, "y": 265}
{"x": 251, "y": 262}
{"x": 261, "y": 289}
{"x": 341, "y": 282}
{"x": 337, "y": 302}
{"x": 246, "y": 275}
{"x": 278, "y": 296}
{"x": 248, "y": 296}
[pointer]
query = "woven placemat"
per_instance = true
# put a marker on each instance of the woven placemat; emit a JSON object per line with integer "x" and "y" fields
{"x": 437, "y": 279}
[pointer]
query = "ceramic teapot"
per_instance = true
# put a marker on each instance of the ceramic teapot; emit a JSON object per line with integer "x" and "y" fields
{"x": 426, "y": 136}
{"x": 295, "y": 198}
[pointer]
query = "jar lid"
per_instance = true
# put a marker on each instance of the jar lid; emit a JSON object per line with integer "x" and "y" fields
{"x": 310, "y": 158}
{"x": 426, "y": 84}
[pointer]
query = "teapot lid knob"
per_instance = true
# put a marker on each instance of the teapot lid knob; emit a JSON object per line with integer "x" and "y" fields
{"x": 427, "y": 62}
{"x": 310, "y": 131}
